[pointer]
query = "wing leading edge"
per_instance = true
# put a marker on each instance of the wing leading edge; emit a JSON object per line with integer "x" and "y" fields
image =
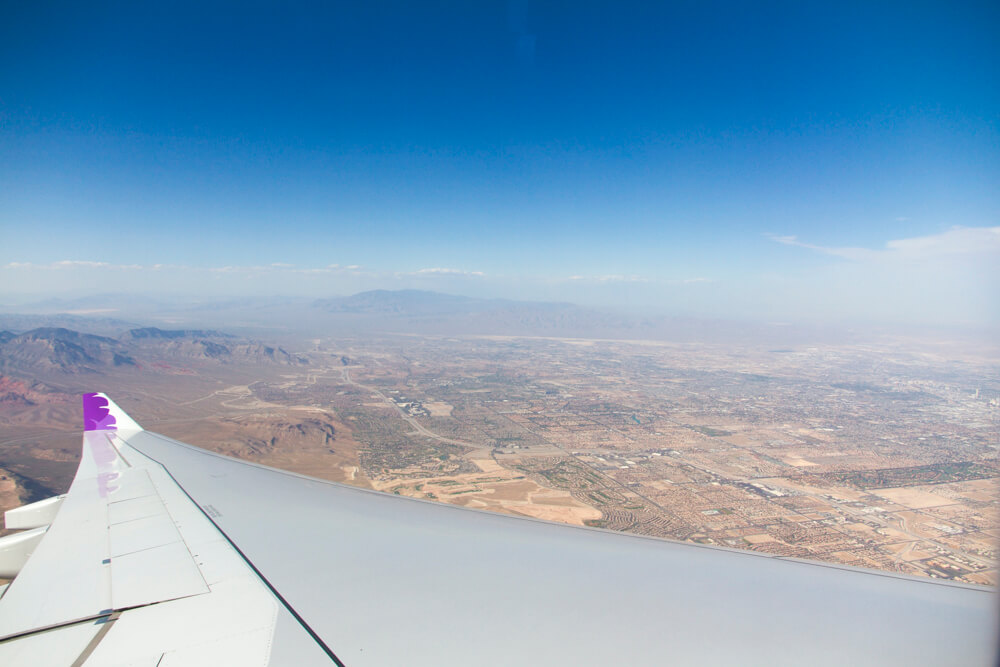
{"x": 164, "y": 552}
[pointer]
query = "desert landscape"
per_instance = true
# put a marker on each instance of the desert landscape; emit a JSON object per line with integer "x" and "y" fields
{"x": 880, "y": 455}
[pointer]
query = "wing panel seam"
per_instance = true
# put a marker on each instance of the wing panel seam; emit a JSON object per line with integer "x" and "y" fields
{"x": 274, "y": 591}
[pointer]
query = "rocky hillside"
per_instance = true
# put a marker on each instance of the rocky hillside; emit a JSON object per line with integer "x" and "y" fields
{"x": 22, "y": 394}
{"x": 58, "y": 349}
{"x": 63, "y": 350}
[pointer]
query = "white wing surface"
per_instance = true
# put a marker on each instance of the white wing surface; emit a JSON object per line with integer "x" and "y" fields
{"x": 165, "y": 554}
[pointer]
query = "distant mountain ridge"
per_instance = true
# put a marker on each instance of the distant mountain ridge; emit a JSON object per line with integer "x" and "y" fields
{"x": 407, "y": 302}
{"x": 56, "y": 348}
{"x": 408, "y": 311}
{"x": 419, "y": 311}
{"x": 146, "y": 333}
{"x": 64, "y": 350}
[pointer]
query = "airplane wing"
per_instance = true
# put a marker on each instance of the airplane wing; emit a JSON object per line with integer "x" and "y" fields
{"x": 165, "y": 554}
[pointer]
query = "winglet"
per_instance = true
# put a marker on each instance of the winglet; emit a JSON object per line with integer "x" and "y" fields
{"x": 101, "y": 414}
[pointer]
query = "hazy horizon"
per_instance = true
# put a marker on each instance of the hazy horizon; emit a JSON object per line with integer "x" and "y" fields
{"x": 270, "y": 315}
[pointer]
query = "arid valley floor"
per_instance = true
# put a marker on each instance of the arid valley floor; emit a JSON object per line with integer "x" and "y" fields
{"x": 880, "y": 455}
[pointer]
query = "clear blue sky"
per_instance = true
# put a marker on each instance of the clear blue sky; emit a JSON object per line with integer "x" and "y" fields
{"x": 698, "y": 157}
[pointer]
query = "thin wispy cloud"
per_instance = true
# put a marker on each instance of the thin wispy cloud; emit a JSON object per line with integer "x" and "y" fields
{"x": 71, "y": 264}
{"x": 274, "y": 268}
{"x": 955, "y": 242}
{"x": 331, "y": 269}
{"x": 844, "y": 252}
{"x": 609, "y": 278}
{"x": 625, "y": 279}
{"x": 439, "y": 271}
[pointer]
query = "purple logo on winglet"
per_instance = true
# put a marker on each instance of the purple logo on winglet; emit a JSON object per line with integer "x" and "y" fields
{"x": 96, "y": 414}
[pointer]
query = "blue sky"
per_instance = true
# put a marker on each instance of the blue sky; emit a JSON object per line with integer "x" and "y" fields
{"x": 801, "y": 160}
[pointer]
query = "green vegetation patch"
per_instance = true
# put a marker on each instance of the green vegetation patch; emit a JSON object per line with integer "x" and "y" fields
{"x": 711, "y": 432}
{"x": 937, "y": 473}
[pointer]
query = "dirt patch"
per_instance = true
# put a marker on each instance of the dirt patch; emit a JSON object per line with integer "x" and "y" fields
{"x": 515, "y": 490}
{"x": 489, "y": 465}
{"x": 797, "y": 461}
{"x": 501, "y": 491}
{"x": 913, "y": 498}
{"x": 438, "y": 409}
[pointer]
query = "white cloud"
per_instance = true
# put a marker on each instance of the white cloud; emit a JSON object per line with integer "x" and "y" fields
{"x": 620, "y": 278}
{"x": 947, "y": 278}
{"x": 272, "y": 269}
{"x": 846, "y": 253}
{"x": 957, "y": 241}
{"x": 71, "y": 264}
{"x": 438, "y": 271}
{"x": 609, "y": 278}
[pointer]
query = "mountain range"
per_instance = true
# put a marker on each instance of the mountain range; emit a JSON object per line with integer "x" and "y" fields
{"x": 382, "y": 311}
{"x": 58, "y": 349}
{"x": 418, "y": 311}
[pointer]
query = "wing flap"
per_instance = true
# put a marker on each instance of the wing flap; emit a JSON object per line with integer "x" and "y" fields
{"x": 112, "y": 529}
{"x": 154, "y": 575}
{"x": 131, "y": 571}
{"x": 16, "y": 549}
{"x": 34, "y": 515}
{"x": 68, "y": 577}
{"x": 148, "y": 532}
{"x": 55, "y": 648}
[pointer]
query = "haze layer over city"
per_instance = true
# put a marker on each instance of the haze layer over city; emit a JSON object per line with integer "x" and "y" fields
{"x": 711, "y": 273}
